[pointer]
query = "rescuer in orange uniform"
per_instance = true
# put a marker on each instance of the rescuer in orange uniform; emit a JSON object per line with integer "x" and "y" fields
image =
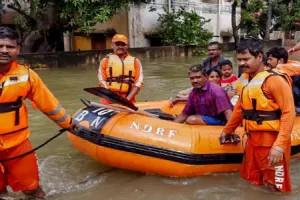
{"x": 120, "y": 72}
{"x": 267, "y": 110}
{"x": 278, "y": 59}
{"x": 17, "y": 83}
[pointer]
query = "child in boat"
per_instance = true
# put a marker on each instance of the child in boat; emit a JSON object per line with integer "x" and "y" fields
{"x": 213, "y": 76}
{"x": 228, "y": 80}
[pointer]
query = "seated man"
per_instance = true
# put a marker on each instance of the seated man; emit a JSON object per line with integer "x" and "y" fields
{"x": 213, "y": 76}
{"x": 208, "y": 103}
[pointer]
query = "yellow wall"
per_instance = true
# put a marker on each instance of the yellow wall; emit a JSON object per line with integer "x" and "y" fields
{"x": 82, "y": 43}
{"x": 119, "y": 22}
{"x": 108, "y": 42}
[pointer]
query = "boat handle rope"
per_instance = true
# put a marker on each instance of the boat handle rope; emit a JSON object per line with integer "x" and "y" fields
{"x": 61, "y": 131}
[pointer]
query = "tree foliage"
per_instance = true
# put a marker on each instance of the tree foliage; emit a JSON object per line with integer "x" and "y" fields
{"x": 251, "y": 18}
{"x": 47, "y": 19}
{"x": 84, "y": 14}
{"x": 285, "y": 16}
{"x": 180, "y": 27}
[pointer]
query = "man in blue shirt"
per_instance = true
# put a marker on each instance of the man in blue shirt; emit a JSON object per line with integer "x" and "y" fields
{"x": 214, "y": 56}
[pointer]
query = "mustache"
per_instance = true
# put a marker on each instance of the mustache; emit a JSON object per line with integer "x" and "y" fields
{"x": 243, "y": 66}
{"x": 268, "y": 65}
{"x": 196, "y": 84}
{"x": 4, "y": 54}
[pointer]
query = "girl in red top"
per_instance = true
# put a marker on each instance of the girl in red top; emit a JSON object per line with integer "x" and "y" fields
{"x": 228, "y": 80}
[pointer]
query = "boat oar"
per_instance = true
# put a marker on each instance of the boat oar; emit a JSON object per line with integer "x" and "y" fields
{"x": 116, "y": 108}
{"x": 111, "y": 96}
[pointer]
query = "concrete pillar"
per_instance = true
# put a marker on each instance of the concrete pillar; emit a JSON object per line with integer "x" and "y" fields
{"x": 67, "y": 42}
{"x": 283, "y": 38}
{"x": 131, "y": 26}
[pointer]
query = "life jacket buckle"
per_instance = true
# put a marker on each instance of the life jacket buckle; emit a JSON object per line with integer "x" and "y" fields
{"x": 16, "y": 105}
{"x": 258, "y": 119}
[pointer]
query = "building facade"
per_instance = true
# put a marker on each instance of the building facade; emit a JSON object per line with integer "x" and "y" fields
{"x": 140, "y": 21}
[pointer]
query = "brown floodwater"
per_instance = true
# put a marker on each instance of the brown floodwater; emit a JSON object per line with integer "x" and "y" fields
{"x": 67, "y": 174}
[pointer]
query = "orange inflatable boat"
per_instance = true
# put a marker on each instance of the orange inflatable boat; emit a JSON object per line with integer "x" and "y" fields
{"x": 158, "y": 146}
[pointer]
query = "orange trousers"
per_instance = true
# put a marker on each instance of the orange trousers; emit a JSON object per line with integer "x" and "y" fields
{"x": 105, "y": 101}
{"x": 256, "y": 170}
{"x": 22, "y": 173}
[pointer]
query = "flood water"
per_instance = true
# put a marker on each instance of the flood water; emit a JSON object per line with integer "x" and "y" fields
{"x": 67, "y": 174}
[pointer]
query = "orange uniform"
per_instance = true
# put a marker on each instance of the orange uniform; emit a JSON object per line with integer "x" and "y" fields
{"x": 16, "y": 85}
{"x": 268, "y": 125}
{"x": 291, "y": 68}
{"x": 120, "y": 75}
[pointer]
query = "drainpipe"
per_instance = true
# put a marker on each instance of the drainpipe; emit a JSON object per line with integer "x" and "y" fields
{"x": 169, "y": 5}
{"x": 131, "y": 26}
{"x": 218, "y": 23}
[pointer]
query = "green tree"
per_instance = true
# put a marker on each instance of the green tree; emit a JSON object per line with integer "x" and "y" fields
{"x": 260, "y": 17}
{"x": 250, "y": 18}
{"x": 183, "y": 28}
{"x": 42, "y": 22}
{"x": 236, "y": 27}
{"x": 287, "y": 15}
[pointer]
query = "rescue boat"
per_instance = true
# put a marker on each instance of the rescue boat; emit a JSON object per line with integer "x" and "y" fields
{"x": 132, "y": 141}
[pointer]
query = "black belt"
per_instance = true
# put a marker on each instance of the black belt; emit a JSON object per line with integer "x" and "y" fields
{"x": 120, "y": 80}
{"x": 9, "y": 107}
{"x": 12, "y": 106}
{"x": 259, "y": 115}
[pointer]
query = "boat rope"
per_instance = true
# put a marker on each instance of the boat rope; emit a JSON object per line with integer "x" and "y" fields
{"x": 61, "y": 131}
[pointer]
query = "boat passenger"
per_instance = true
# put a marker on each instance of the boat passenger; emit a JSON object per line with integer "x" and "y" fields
{"x": 228, "y": 80}
{"x": 214, "y": 58}
{"x": 207, "y": 104}
{"x": 213, "y": 76}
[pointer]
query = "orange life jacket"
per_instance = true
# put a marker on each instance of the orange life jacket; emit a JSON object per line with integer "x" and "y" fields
{"x": 120, "y": 73}
{"x": 14, "y": 89}
{"x": 16, "y": 86}
{"x": 259, "y": 112}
